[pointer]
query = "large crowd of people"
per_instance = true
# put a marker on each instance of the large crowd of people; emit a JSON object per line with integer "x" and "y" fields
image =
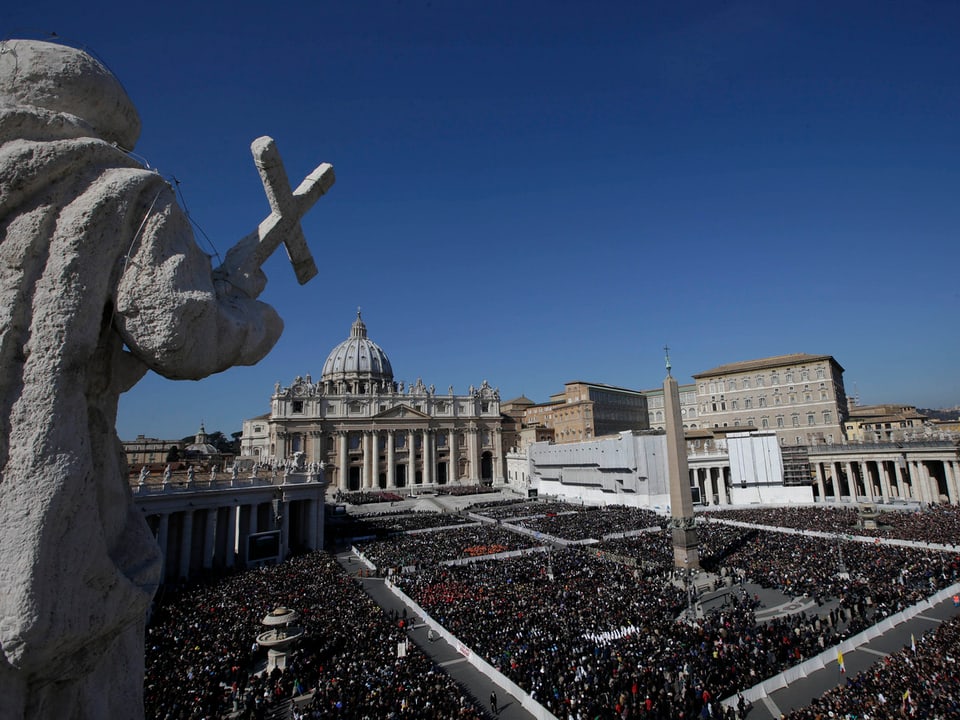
{"x": 586, "y": 636}
{"x": 430, "y": 548}
{"x": 939, "y": 524}
{"x": 202, "y": 660}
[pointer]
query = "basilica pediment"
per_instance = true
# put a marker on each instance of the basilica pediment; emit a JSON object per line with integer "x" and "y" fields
{"x": 402, "y": 411}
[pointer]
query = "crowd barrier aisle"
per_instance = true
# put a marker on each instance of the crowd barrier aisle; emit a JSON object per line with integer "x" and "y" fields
{"x": 526, "y": 701}
{"x": 818, "y": 662}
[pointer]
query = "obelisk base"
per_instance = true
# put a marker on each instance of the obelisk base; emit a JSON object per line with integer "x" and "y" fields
{"x": 685, "y": 543}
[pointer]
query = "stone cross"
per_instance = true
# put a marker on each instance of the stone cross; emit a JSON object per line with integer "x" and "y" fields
{"x": 282, "y": 225}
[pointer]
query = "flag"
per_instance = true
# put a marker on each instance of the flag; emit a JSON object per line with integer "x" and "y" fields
{"x": 840, "y": 661}
{"x": 913, "y": 643}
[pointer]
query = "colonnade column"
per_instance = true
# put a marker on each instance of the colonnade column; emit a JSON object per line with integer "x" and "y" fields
{"x": 313, "y": 526}
{"x": 186, "y": 543}
{"x": 821, "y": 483}
{"x": 953, "y": 481}
{"x": 209, "y": 537}
{"x": 391, "y": 458}
{"x": 724, "y": 494}
{"x": 916, "y": 491}
{"x": 851, "y": 481}
{"x": 884, "y": 481}
{"x": 283, "y": 509}
{"x": 375, "y": 459}
{"x": 163, "y": 529}
{"x": 230, "y": 556}
{"x": 343, "y": 481}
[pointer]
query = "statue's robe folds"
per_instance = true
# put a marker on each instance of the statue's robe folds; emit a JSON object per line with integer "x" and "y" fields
{"x": 100, "y": 280}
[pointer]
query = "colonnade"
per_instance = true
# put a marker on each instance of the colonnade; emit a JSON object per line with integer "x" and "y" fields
{"x": 201, "y": 531}
{"x": 886, "y": 477}
{"x": 388, "y": 458}
{"x": 712, "y": 482}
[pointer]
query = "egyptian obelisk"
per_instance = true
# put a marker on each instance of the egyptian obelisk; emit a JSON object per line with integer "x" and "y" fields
{"x": 682, "y": 524}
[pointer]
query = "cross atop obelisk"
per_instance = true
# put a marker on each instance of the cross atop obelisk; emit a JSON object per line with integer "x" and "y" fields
{"x": 682, "y": 522}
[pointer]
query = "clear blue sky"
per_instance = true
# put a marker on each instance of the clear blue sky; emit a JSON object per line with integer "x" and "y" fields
{"x": 537, "y": 192}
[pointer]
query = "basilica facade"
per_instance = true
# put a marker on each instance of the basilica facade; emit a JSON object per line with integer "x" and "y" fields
{"x": 371, "y": 432}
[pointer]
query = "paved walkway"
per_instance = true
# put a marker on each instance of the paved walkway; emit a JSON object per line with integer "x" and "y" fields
{"x": 445, "y": 655}
{"x": 799, "y": 693}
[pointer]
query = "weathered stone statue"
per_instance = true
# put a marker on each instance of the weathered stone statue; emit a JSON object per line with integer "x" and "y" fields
{"x": 101, "y": 280}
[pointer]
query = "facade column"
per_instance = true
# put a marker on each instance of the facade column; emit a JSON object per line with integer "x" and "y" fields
{"x": 163, "y": 529}
{"x": 473, "y": 454}
{"x": 497, "y": 456}
{"x": 428, "y": 461}
{"x": 453, "y": 474}
{"x": 365, "y": 483}
{"x": 186, "y": 543}
{"x": 724, "y": 493}
{"x": 343, "y": 460}
{"x": 209, "y": 538}
{"x": 411, "y": 458}
{"x": 391, "y": 459}
{"x": 375, "y": 459}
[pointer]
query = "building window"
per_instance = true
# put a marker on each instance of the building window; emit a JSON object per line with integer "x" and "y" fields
{"x": 789, "y": 376}
{"x": 827, "y": 417}
{"x": 734, "y": 404}
{"x": 796, "y": 420}
{"x": 810, "y": 419}
{"x": 820, "y": 373}
{"x": 759, "y": 380}
{"x": 764, "y": 423}
{"x": 779, "y": 421}
{"x": 258, "y": 428}
{"x": 298, "y": 406}
{"x": 763, "y": 402}
{"x": 731, "y": 384}
{"x": 804, "y": 375}
{"x": 774, "y": 379}
{"x": 746, "y": 383}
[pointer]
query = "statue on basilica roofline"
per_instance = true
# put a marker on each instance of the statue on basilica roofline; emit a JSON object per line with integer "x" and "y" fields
{"x": 103, "y": 281}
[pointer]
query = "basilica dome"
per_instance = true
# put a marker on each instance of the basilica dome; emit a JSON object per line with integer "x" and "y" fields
{"x": 358, "y": 358}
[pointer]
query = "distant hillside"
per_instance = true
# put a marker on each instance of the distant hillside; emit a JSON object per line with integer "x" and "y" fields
{"x": 950, "y": 414}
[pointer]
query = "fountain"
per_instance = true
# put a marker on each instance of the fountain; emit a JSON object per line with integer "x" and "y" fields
{"x": 281, "y": 635}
